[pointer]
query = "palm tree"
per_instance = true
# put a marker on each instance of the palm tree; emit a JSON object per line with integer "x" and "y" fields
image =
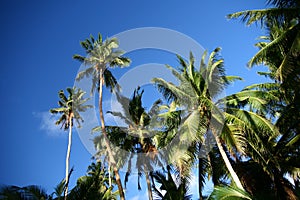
{"x": 195, "y": 92}
{"x": 102, "y": 55}
{"x": 245, "y": 128}
{"x": 69, "y": 109}
{"x": 136, "y": 138}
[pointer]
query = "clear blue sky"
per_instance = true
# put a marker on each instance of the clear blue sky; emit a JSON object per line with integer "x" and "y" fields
{"x": 38, "y": 39}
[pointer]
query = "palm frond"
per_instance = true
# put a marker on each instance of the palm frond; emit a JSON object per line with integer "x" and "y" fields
{"x": 260, "y": 56}
{"x": 259, "y": 16}
{"x": 228, "y": 193}
{"x": 252, "y": 121}
{"x": 288, "y": 64}
{"x": 170, "y": 91}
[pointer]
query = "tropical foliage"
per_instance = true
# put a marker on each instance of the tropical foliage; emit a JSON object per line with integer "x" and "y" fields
{"x": 247, "y": 144}
{"x": 94, "y": 185}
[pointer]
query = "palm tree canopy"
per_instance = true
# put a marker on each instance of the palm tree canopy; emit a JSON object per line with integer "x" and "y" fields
{"x": 70, "y": 107}
{"x": 196, "y": 92}
{"x": 101, "y": 55}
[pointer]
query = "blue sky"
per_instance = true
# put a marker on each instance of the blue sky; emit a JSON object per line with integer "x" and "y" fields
{"x": 38, "y": 39}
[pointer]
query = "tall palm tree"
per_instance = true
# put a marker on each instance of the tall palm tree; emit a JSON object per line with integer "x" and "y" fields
{"x": 195, "y": 94}
{"x": 69, "y": 109}
{"x": 102, "y": 55}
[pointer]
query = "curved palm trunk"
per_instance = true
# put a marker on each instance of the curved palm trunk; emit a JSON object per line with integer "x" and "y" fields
{"x": 234, "y": 176}
{"x": 111, "y": 158}
{"x": 68, "y": 159}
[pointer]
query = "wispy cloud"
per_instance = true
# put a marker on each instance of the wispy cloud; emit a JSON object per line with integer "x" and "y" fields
{"x": 47, "y": 123}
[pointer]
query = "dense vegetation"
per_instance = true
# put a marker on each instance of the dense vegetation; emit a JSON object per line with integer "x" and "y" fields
{"x": 256, "y": 131}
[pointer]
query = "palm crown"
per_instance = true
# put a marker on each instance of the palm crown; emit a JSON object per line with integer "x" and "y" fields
{"x": 70, "y": 107}
{"x": 101, "y": 55}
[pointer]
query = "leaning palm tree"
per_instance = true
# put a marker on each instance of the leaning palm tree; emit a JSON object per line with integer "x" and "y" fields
{"x": 195, "y": 93}
{"x": 102, "y": 55}
{"x": 241, "y": 127}
{"x": 69, "y": 110}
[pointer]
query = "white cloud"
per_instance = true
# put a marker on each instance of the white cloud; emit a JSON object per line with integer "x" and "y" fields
{"x": 47, "y": 123}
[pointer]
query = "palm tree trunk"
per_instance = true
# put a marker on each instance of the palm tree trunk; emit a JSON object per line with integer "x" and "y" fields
{"x": 68, "y": 159}
{"x": 199, "y": 185}
{"x": 110, "y": 155}
{"x": 234, "y": 176}
{"x": 109, "y": 175}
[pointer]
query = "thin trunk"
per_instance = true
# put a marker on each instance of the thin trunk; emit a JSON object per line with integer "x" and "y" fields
{"x": 150, "y": 196}
{"x": 234, "y": 176}
{"x": 68, "y": 159}
{"x": 110, "y": 155}
{"x": 199, "y": 185}
{"x": 109, "y": 175}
